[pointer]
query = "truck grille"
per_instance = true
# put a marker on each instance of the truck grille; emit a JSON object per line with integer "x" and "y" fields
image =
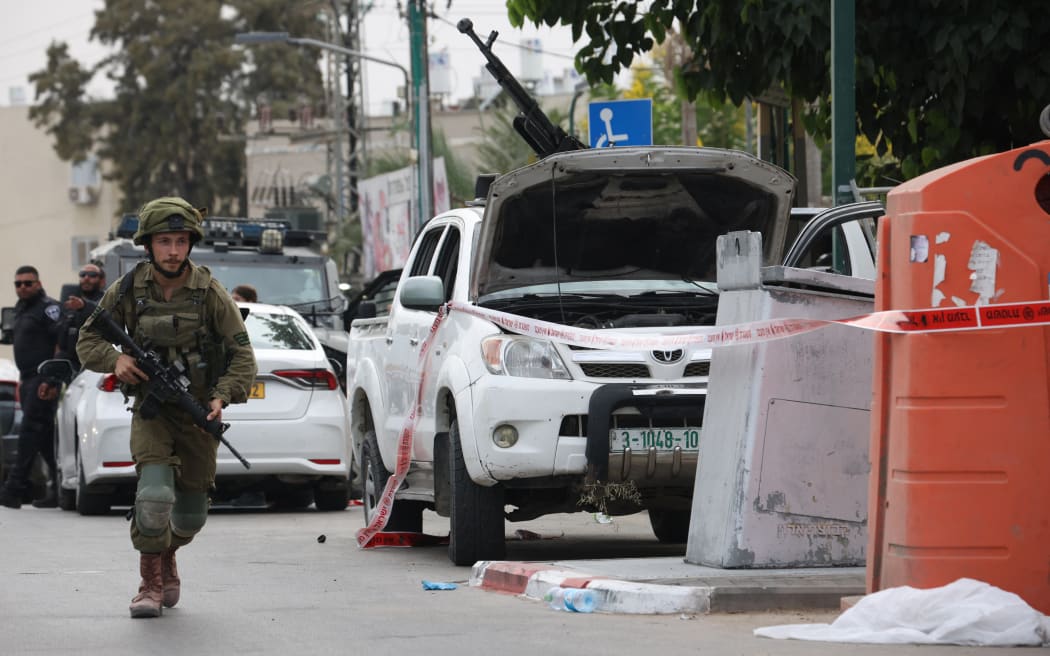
{"x": 614, "y": 370}
{"x": 698, "y": 368}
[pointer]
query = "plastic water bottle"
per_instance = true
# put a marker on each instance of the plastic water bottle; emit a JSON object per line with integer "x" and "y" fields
{"x": 555, "y": 598}
{"x": 576, "y": 600}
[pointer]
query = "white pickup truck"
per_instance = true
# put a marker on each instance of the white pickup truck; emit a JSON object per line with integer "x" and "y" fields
{"x": 509, "y": 426}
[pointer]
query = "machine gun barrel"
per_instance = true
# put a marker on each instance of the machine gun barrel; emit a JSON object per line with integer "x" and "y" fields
{"x": 167, "y": 382}
{"x": 543, "y": 136}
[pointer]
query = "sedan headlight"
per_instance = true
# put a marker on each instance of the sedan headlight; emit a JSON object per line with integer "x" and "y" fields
{"x": 523, "y": 356}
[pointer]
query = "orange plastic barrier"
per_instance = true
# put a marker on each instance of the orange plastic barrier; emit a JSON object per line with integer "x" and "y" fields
{"x": 960, "y": 445}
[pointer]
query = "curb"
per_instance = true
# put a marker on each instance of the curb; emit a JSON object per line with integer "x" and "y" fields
{"x": 534, "y": 580}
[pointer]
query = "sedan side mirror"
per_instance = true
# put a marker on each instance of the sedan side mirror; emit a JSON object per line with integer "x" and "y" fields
{"x": 57, "y": 369}
{"x": 7, "y": 325}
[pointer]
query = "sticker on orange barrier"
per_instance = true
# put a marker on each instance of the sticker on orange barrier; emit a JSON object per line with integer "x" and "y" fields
{"x": 929, "y": 320}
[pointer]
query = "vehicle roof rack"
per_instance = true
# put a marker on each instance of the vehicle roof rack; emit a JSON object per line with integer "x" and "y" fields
{"x": 234, "y": 232}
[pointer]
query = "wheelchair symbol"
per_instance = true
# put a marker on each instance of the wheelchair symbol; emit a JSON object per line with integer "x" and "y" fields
{"x": 610, "y": 139}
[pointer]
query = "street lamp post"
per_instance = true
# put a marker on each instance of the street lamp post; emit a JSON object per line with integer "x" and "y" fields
{"x": 421, "y": 142}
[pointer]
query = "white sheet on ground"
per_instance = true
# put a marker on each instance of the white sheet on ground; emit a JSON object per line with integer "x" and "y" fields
{"x": 966, "y": 612}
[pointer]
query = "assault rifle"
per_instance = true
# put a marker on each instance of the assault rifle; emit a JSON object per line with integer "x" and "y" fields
{"x": 532, "y": 124}
{"x": 166, "y": 384}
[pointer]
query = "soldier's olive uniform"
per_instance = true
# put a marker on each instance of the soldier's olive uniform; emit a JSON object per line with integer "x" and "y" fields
{"x": 201, "y": 327}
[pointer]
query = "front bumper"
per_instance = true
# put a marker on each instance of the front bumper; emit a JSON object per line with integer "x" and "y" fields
{"x": 563, "y": 429}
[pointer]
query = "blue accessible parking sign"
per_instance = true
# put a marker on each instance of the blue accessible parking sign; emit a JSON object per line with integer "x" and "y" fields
{"x": 621, "y": 123}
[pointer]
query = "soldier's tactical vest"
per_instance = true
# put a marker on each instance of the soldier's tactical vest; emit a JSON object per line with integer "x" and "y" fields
{"x": 177, "y": 331}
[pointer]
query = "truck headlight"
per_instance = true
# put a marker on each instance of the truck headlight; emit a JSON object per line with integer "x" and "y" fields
{"x": 523, "y": 356}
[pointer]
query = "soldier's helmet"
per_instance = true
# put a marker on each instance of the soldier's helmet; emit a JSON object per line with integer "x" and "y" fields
{"x": 169, "y": 214}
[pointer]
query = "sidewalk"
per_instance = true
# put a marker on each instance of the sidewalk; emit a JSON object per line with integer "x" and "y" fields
{"x": 666, "y": 585}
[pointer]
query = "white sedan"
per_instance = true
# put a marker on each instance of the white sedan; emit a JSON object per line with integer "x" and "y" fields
{"x": 293, "y": 430}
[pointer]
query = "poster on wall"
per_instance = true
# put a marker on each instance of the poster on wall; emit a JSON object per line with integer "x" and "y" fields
{"x": 386, "y": 216}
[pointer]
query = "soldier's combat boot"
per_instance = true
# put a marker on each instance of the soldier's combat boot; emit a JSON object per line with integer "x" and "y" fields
{"x": 170, "y": 576}
{"x": 147, "y": 603}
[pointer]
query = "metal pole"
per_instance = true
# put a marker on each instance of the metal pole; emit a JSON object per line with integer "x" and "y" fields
{"x": 843, "y": 100}
{"x": 324, "y": 45}
{"x": 417, "y": 29}
{"x": 340, "y": 110}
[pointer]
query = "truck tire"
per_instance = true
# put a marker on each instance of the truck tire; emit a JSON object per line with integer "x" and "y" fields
{"x": 670, "y": 526}
{"x": 476, "y": 523}
{"x": 405, "y": 516}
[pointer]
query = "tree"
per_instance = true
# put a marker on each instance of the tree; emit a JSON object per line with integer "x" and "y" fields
{"x": 715, "y": 124}
{"x": 175, "y": 124}
{"x": 502, "y": 149}
{"x": 937, "y": 81}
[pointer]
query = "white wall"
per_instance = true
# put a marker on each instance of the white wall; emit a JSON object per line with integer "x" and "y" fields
{"x": 38, "y": 220}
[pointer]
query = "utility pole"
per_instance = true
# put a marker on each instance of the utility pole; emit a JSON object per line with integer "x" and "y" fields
{"x": 334, "y": 30}
{"x": 355, "y": 100}
{"x": 417, "y": 29}
{"x": 843, "y": 100}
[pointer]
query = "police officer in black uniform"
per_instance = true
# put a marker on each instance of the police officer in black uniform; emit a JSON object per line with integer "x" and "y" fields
{"x": 36, "y": 329}
{"x": 92, "y": 287}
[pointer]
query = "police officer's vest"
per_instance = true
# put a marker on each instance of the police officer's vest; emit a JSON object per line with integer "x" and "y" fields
{"x": 176, "y": 330}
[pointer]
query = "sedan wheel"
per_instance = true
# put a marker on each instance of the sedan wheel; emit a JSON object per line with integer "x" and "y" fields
{"x": 67, "y": 499}
{"x": 88, "y": 503}
{"x": 334, "y": 498}
{"x": 405, "y": 516}
{"x": 477, "y": 521}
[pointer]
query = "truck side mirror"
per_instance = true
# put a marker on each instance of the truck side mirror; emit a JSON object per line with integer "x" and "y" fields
{"x": 422, "y": 293}
{"x": 7, "y": 325}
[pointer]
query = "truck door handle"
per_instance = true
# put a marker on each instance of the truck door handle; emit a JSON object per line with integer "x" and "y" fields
{"x": 389, "y": 339}
{"x": 413, "y": 341}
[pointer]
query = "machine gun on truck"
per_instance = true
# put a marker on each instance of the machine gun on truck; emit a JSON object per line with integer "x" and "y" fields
{"x": 532, "y": 123}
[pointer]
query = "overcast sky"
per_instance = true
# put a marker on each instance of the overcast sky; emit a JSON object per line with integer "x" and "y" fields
{"x": 29, "y": 27}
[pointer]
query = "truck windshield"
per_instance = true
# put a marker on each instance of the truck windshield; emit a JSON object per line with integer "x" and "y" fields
{"x": 279, "y": 285}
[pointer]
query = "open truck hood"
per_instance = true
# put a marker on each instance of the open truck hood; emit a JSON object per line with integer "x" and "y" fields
{"x": 633, "y": 213}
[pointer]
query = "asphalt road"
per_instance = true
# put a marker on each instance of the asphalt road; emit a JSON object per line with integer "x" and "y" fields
{"x": 258, "y": 582}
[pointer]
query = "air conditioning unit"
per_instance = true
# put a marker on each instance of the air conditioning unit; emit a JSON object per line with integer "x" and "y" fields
{"x": 83, "y": 195}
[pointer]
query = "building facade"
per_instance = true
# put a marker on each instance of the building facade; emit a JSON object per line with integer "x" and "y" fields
{"x": 54, "y": 213}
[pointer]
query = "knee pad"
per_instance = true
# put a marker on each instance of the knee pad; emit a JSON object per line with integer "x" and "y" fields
{"x": 154, "y": 499}
{"x": 189, "y": 514}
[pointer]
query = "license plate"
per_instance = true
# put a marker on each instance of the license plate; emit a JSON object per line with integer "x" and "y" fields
{"x": 662, "y": 439}
{"x": 258, "y": 391}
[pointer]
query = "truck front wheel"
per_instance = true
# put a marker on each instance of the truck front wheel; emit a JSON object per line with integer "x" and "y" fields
{"x": 670, "y": 526}
{"x": 406, "y": 516}
{"x": 476, "y": 525}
